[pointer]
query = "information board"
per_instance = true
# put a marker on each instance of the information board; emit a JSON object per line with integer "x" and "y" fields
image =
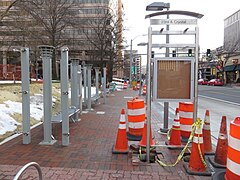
{"x": 173, "y": 79}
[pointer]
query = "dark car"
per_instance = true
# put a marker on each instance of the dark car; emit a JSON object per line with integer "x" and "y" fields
{"x": 215, "y": 82}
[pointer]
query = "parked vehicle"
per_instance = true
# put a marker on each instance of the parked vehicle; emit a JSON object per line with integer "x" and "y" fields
{"x": 215, "y": 82}
{"x": 202, "y": 82}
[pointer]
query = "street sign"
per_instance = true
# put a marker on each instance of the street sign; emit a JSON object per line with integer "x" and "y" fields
{"x": 173, "y": 21}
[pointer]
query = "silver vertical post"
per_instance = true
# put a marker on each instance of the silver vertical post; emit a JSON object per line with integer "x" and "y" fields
{"x": 75, "y": 86}
{"x": 149, "y": 92}
{"x": 46, "y": 55}
{"x": 97, "y": 81}
{"x": 80, "y": 88}
{"x": 104, "y": 84}
{"x": 196, "y": 75}
{"x": 85, "y": 84}
{"x": 25, "y": 96}
{"x": 64, "y": 96}
{"x": 89, "y": 101}
{"x": 166, "y": 104}
{"x": 130, "y": 64}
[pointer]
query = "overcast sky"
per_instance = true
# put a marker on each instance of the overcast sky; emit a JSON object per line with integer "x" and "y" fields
{"x": 211, "y": 26}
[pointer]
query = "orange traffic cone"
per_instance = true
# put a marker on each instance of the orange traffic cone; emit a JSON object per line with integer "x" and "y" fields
{"x": 121, "y": 145}
{"x": 196, "y": 159}
{"x": 175, "y": 138}
{"x": 222, "y": 144}
{"x": 207, "y": 134}
{"x": 143, "y": 141}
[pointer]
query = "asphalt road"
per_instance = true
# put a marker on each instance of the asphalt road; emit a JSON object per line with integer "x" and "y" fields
{"x": 223, "y": 93}
{"x": 219, "y": 100}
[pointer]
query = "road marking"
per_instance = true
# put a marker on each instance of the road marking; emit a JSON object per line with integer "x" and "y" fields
{"x": 219, "y": 100}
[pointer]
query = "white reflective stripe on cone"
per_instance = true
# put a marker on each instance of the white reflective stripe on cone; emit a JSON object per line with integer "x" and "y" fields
{"x": 188, "y": 115}
{"x": 122, "y": 126}
{"x": 185, "y": 127}
{"x": 207, "y": 119}
{"x": 206, "y": 127}
{"x": 233, "y": 167}
{"x": 198, "y": 130}
{"x": 122, "y": 118}
{"x": 195, "y": 139}
{"x": 176, "y": 123}
{"x": 136, "y": 125}
{"x": 234, "y": 143}
{"x": 136, "y": 112}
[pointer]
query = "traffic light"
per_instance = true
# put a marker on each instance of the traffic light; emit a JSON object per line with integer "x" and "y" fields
{"x": 208, "y": 54}
{"x": 189, "y": 52}
{"x": 173, "y": 53}
{"x": 152, "y": 54}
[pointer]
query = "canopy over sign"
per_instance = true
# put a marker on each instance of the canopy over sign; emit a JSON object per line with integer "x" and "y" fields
{"x": 173, "y": 21}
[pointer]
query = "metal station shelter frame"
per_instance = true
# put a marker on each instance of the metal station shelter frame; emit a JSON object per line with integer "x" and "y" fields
{"x": 169, "y": 63}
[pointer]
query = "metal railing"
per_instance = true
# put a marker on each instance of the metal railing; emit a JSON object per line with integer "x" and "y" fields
{"x": 24, "y": 168}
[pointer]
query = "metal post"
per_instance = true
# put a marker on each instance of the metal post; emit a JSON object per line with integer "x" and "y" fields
{"x": 25, "y": 96}
{"x": 80, "y": 89}
{"x": 75, "y": 86}
{"x": 85, "y": 84}
{"x": 131, "y": 60}
{"x": 104, "y": 84}
{"x": 196, "y": 75}
{"x": 97, "y": 82}
{"x": 46, "y": 55}
{"x": 64, "y": 96}
{"x": 89, "y": 101}
{"x": 148, "y": 108}
{"x": 166, "y": 104}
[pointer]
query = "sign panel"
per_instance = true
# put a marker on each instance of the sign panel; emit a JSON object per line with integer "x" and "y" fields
{"x": 173, "y": 21}
{"x": 173, "y": 79}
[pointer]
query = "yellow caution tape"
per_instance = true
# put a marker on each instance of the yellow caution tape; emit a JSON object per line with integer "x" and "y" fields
{"x": 195, "y": 125}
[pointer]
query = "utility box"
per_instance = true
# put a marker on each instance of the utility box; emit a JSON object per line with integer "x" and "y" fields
{"x": 173, "y": 79}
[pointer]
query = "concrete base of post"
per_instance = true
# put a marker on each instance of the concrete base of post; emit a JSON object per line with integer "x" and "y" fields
{"x": 163, "y": 130}
{"x": 49, "y": 143}
{"x": 89, "y": 110}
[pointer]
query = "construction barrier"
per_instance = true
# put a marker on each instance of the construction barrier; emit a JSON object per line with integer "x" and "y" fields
{"x": 207, "y": 139}
{"x": 13, "y": 72}
{"x": 136, "y": 118}
{"x": 125, "y": 85}
{"x": 233, "y": 154}
{"x": 138, "y": 85}
{"x": 121, "y": 146}
{"x": 186, "y": 118}
{"x": 144, "y": 89}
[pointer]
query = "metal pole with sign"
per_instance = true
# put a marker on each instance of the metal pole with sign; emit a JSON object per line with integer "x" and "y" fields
{"x": 169, "y": 81}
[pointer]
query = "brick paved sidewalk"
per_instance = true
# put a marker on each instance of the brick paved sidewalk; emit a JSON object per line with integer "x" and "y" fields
{"x": 89, "y": 155}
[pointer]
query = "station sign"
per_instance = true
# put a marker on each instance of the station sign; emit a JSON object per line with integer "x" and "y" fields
{"x": 173, "y": 21}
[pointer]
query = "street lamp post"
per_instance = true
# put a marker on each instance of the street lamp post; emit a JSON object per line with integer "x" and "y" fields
{"x": 156, "y": 6}
{"x": 131, "y": 59}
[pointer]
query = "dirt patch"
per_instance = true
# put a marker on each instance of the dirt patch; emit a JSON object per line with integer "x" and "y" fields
{"x": 12, "y": 92}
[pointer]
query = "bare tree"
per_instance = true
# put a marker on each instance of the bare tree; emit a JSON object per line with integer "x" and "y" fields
{"x": 103, "y": 35}
{"x": 49, "y": 19}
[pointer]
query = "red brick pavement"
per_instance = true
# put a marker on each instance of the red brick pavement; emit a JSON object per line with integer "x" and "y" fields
{"x": 89, "y": 155}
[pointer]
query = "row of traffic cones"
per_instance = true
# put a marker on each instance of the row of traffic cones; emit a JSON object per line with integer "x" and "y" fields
{"x": 202, "y": 136}
{"x": 121, "y": 145}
